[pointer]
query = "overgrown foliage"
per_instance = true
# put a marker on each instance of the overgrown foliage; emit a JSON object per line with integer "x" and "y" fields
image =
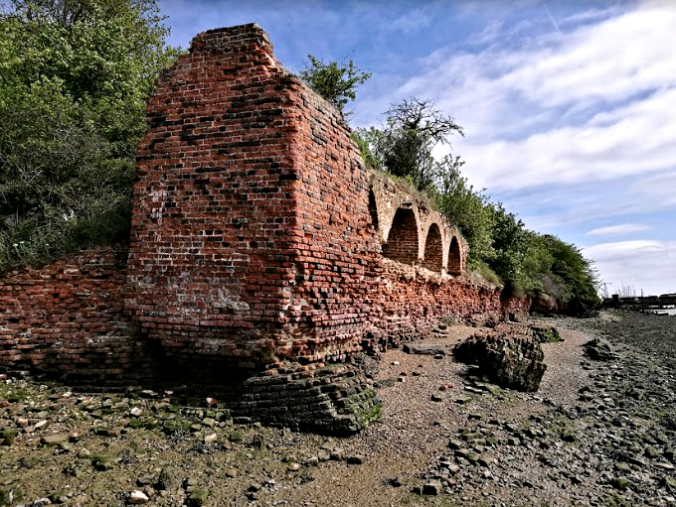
{"x": 336, "y": 83}
{"x": 74, "y": 79}
{"x": 502, "y": 250}
{"x": 404, "y": 145}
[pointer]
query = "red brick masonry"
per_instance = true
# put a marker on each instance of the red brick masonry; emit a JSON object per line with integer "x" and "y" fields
{"x": 68, "y": 318}
{"x": 258, "y": 236}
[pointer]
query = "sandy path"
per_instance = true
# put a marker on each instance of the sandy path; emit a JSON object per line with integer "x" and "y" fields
{"x": 414, "y": 430}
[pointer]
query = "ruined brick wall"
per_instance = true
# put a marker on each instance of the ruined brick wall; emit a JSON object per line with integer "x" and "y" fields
{"x": 214, "y": 220}
{"x": 411, "y": 231}
{"x": 67, "y": 319}
{"x": 338, "y": 255}
{"x": 412, "y": 301}
{"x": 258, "y": 236}
{"x": 249, "y": 239}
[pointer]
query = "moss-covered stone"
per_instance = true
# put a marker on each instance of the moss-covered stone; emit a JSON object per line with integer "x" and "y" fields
{"x": 235, "y": 436}
{"x": 198, "y": 497}
{"x": 619, "y": 483}
{"x": 102, "y": 463}
{"x": 546, "y": 334}
{"x": 7, "y": 437}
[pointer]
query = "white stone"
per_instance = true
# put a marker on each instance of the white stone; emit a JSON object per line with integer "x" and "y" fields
{"x": 138, "y": 498}
{"x": 136, "y": 412}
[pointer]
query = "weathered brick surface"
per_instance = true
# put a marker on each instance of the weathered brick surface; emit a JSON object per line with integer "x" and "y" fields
{"x": 258, "y": 237}
{"x": 510, "y": 356}
{"x": 407, "y": 227}
{"x": 67, "y": 318}
{"x": 215, "y": 221}
{"x": 253, "y": 236}
{"x": 333, "y": 399}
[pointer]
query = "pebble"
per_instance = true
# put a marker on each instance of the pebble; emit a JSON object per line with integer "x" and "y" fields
{"x": 53, "y": 440}
{"x": 431, "y": 488}
{"x": 354, "y": 459}
{"x": 138, "y": 498}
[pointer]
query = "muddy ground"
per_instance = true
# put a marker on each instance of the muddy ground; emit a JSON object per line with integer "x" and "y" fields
{"x": 598, "y": 432}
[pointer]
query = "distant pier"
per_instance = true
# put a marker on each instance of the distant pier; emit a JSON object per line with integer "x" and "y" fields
{"x": 660, "y": 305}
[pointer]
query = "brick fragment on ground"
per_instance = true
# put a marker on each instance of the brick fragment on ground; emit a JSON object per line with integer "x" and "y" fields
{"x": 512, "y": 360}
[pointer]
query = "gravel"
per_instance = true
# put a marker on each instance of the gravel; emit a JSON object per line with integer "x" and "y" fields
{"x": 598, "y": 432}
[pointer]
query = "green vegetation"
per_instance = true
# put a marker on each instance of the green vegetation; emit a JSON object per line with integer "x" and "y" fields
{"x": 336, "y": 83}
{"x": 74, "y": 79}
{"x": 502, "y": 250}
{"x": 404, "y": 146}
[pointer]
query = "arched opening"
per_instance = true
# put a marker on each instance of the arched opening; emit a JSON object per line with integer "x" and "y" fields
{"x": 454, "y": 258}
{"x": 434, "y": 253}
{"x": 373, "y": 210}
{"x": 402, "y": 243}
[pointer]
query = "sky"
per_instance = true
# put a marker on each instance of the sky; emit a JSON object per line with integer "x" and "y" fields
{"x": 568, "y": 107}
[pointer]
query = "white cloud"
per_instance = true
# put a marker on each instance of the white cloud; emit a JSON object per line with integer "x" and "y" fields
{"x": 411, "y": 21}
{"x": 659, "y": 189}
{"x": 593, "y": 104}
{"x": 616, "y": 230}
{"x": 644, "y": 265}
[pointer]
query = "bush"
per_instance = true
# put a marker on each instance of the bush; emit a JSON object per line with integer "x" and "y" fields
{"x": 74, "y": 79}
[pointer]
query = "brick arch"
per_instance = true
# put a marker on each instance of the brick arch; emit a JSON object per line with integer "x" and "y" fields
{"x": 454, "y": 257}
{"x": 434, "y": 251}
{"x": 402, "y": 242}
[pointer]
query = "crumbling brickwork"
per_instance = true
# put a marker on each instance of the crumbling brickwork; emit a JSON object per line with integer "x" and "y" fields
{"x": 250, "y": 239}
{"x": 258, "y": 235}
{"x": 68, "y": 319}
{"x": 258, "y": 239}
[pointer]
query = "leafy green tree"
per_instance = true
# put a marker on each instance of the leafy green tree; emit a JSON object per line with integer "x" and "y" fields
{"x": 413, "y": 128}
{"x": 367, "y": 140}
{"x": 336, "y": 83}
{"x": 467, "y": 208}
{"x": 510, "y": 244}
{"x": 74, "y": 78}
{"x": 576, "y": 276}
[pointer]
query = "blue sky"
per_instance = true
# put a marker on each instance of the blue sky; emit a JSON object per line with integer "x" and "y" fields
{"x": 569, "y": 107}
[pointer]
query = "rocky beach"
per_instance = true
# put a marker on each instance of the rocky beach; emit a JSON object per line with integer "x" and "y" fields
{"x": 600, "y": 430}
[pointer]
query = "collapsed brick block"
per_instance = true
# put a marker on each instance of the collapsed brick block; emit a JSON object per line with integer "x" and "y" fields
{"x": 513, "y": 361}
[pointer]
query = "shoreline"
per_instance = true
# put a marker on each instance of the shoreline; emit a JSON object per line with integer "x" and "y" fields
{"x": 596, "y": 433}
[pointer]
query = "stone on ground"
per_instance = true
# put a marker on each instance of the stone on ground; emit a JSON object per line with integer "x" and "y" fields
{"x": 425, "y": 350}
{"x": 511, "y": 360}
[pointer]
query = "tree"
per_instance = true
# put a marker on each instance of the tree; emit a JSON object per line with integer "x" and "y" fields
{"x": 510, "y": 244}
{"x": 576, "y": 276}
{"x": 74, "y": 78}
{"x": 413, "y": 128}
{"x": 467, "y": 208}
{"x": 367, "y": 140}
{"x": 336, "y": 83}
